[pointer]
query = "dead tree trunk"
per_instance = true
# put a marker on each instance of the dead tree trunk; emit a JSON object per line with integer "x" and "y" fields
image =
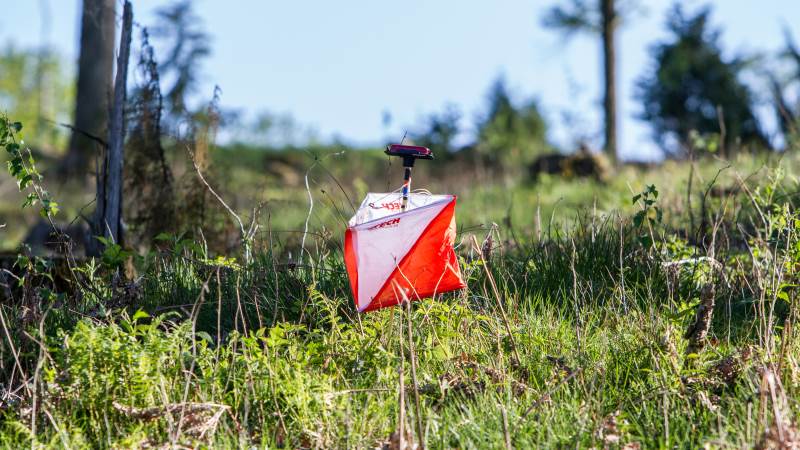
{"x": 95, "y": 70}
{"x": 108, "y": 214}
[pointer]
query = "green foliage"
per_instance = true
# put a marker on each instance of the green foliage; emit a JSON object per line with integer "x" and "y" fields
{"x": 297, "y": 378}
{"x": 37, "y": 271}
{"x": 575, "y": 16}
{"x": 510, "y": 136}
{"x": 648, "y": 219}
{"x": 35, "y": 91}
{"x": 296, "y": 384}
{"x": 691, "y": 87}
{"x": 114, "y": 256}
{"x": 703, "y": 143}
{"x": 22, "y": 167}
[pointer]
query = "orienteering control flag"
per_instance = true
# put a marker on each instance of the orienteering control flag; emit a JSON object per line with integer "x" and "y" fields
{"x": 391, "y": 255}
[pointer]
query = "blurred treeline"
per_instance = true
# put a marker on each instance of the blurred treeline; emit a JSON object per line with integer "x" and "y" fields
{"x": 689, "y": 90}
{"x": 695, "y": 99}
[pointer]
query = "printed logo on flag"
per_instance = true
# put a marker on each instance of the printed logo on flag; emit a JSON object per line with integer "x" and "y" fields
{"x": 391, "y": 206}
{"x": 388, "y": 224}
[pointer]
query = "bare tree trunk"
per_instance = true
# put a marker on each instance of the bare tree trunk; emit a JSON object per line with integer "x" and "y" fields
{"x": 609, "y": 14}
{"x": 109, "y": 184}
{"x": 95, "y": 69}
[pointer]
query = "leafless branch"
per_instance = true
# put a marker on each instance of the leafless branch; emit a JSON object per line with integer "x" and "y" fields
{"x": 252, "y": 229}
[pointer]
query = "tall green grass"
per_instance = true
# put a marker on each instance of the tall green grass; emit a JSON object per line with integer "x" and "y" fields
{"x": 278, "y": 352}
{"x": 200, "y": 351}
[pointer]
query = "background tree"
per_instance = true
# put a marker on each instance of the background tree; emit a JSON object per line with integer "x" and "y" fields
{"x": 95, "y": 71}
{"x": 268, "y": 130}
{"x": 600, "y": 18}
{"x": 510, "y": 136}
{"x": 691, "y": 88}
{"x": 439, "y": 131}
{"x": 182, "y": 33}
{"x": 786, "y": 109}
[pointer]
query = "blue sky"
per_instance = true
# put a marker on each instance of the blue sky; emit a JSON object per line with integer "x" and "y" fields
{"x": 336, "y": 66}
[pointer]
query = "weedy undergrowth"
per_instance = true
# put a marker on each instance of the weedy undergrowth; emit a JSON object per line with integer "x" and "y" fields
{"x": 618, "y": 332}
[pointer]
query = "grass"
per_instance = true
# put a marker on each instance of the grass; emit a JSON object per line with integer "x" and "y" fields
{"x": 199, "y": 351}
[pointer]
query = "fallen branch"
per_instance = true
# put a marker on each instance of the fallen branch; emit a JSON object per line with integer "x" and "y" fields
{"x": 201, "y": 418}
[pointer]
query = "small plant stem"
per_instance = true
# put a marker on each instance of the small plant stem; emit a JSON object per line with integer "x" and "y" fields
{"x": 506, "y": 435}
{"x": 246, "y": 235}
{"x": 785, "y": 338}
{"x": 665, "y": 404}
{"x": 575, "y": 298}
{"x": 219, "y": 312}
{"x": 36, "y": 381}
{"x": 691, "y": 234}
{"x": 538, "y": 220}
{"x": 420, "y": 430}
{"x": 622, "y": 268}
{"x": 402, "y": 393}
{"x": 499, "y": 301}
{"x": 14, "y": 352}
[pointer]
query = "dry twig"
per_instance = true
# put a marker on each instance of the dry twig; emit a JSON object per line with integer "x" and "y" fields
{"x": 246, "y": 235}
